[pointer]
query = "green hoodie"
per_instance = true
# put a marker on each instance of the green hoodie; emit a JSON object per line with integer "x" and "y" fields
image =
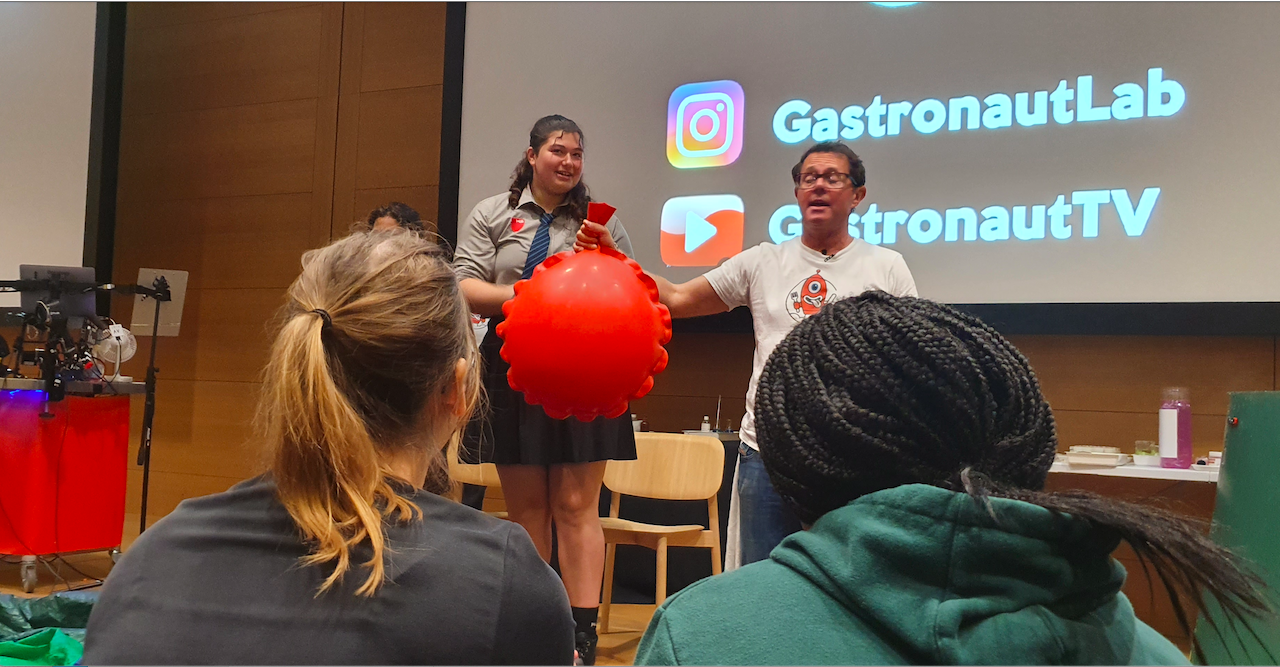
{"x": 916, "y": 575}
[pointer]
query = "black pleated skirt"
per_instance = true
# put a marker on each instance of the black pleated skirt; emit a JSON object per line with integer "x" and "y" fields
{"x": 512, "y": 432}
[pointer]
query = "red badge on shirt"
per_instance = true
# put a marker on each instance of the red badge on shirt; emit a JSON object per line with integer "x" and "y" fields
{"x": 517, "y": 223}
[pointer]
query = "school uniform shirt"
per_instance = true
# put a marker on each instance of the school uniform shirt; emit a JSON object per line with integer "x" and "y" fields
{"x": 493, "y": 242}
{"x": 784, "y": 284}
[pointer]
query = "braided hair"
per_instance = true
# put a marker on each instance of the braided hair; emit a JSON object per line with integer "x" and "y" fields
{"x": 878, "y": 391}
{"x": 577, "y": 198}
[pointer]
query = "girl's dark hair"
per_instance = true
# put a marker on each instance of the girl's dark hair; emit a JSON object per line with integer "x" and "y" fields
{"x": 403, "y": 214}
{"x": 579, "y": 196}
{"x": 878, "y": 391}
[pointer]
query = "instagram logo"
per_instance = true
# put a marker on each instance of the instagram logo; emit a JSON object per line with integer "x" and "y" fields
{"x": 704, "y": 124}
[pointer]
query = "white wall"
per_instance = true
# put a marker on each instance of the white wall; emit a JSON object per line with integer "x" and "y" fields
{"x": 46, "y": 85}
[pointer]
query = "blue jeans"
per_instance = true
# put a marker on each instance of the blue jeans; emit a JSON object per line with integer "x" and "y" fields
{"x": 763, "y": 518}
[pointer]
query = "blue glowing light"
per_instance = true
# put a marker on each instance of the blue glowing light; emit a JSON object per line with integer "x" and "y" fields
{"x": 36, "y": 395}
{"x": 893, "y": 5}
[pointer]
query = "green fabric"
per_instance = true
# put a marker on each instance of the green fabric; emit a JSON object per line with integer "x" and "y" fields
{"x": 915, "y": 575}
{"x": 1244, "y": 521}
{"x": 69, "y": 611}
{"x": 49, "y": 646}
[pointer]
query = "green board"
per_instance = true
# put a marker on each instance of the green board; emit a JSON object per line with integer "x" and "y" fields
{"x": 1246, "y": 519}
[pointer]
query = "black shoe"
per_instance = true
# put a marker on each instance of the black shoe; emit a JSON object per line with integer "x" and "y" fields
{"x": 585, "y": 643}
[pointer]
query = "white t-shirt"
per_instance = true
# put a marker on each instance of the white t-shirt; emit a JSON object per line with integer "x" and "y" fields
{"x": 783, "y": 284}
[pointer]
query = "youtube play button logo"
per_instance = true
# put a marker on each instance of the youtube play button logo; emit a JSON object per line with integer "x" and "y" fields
{"x": 701, "y": 230}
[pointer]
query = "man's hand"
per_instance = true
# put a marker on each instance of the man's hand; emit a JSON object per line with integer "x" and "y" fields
{"x": 593, "y": 235}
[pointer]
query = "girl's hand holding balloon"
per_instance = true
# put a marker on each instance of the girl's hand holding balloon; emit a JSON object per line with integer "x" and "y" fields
{"x": 593, "y": 235}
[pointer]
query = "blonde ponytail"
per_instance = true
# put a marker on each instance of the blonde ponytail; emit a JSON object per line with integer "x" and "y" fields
{"x": 372, "y": 332}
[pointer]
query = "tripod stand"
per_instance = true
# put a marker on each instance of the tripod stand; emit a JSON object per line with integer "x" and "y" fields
{"x": 158, "y": 292}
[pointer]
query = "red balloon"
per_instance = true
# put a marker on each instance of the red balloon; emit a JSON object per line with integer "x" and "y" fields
{"x": 584, "y": 335}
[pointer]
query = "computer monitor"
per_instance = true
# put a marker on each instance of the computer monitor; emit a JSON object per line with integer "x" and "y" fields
{"x": 70, "y": 293}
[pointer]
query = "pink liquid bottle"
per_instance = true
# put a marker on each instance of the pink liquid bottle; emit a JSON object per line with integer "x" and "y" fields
{"x": 1175, "y": 428}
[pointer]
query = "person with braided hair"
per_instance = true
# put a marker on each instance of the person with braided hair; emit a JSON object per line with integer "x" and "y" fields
{"x": 551, "y": 469}
{"x": 782, "y": 285}
{"x": 913, "y": 442}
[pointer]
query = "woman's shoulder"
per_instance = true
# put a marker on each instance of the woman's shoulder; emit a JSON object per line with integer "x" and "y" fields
{"x": 451, "y": 527}
{"x": 464, "y": 546}
{"x": 244, "y": 504}
{"x": 437, "y": 508}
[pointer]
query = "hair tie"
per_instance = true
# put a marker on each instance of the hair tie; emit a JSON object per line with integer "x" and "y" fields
{"x": 324, "y": 315}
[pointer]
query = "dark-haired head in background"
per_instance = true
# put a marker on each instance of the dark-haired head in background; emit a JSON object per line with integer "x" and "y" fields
{"x": 914, "y": 443}
{"x": 393, "y": 215}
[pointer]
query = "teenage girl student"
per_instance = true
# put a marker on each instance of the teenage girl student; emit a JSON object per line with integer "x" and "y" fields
{"x": 551, "y": 469}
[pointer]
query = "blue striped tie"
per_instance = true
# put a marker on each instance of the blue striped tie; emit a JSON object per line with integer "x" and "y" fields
{"x": 538, "y": 249}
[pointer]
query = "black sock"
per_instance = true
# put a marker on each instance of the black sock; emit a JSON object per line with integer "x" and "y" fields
{"x": 585, "y": 618}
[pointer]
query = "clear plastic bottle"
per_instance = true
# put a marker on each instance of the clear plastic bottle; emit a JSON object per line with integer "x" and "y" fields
{"x": 706, "y": 423}
{"x": 1175, "y": 428}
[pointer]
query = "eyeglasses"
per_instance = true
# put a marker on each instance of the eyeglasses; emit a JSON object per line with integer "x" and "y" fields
{"x": 834, "y": 180}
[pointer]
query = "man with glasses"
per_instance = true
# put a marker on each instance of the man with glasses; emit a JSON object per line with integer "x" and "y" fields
{"x": 783, "y": 284}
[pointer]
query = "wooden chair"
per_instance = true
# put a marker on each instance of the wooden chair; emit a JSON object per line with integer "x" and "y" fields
{"x": 479, "y": 474}
{"x": 668, "y": 466}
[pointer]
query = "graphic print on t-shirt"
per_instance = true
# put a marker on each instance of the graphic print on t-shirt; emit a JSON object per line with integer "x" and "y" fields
{"x": 479, "y": 327}
{"x": 809, "y": 296}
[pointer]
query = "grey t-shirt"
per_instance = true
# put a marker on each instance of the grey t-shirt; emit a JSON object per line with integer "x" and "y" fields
{"x": 219, "y": 582}
{"x": 493, "y": 242}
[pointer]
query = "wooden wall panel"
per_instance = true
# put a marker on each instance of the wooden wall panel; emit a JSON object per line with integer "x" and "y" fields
{"x": 235, "y": 326}
{"x": 145, "y": 15}
{"x": 244, "y": 60}
{"x": 1106, "y": 390}
{"x": 402, "y": 46}
{"x": 707, "y": 365}
{"x": 228, "y": 141}
{"x": 166, "y": 491}
{"x": 225, "y": 336}
{"x": 261, "y": 149}
{"x": 703, "y": 369}
{"x": 1126, "y": 373}
{"x": 399, "y": 138}
{"x": 389, "y": 110}
{"x": 267, "y": 235}
{"x": 204, "y": 427}
{"x": 234, "y": 161}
